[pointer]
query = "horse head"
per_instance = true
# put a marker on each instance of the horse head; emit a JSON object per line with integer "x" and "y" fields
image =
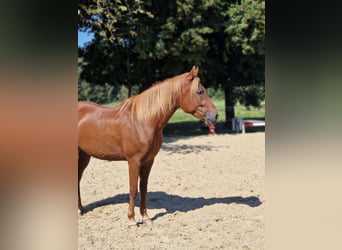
{"x": 195, "y": 100}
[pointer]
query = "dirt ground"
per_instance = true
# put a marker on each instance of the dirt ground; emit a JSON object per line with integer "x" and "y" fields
{"x": 205, "y": 192}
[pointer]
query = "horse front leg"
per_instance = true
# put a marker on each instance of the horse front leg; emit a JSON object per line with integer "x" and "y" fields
{"x": 133, "y": 190}
{"x": 144, "y": 174}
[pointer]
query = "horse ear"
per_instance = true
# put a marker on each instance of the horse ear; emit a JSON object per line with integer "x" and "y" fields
{"x": 193, "y": 73}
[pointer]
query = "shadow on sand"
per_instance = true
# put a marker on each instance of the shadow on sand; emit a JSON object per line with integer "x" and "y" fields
{"x": 187, "y": 149}
{"x": 158, "y": 200}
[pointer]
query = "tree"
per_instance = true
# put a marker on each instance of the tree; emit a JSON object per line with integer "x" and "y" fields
{"x": 236, "y": 50}
{"x": 145, "y": 42}
{"x": 245, "y": 31}
{"x": 116, "y": 25}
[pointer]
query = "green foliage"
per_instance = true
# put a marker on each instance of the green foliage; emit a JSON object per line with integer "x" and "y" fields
{"x": 123, "y": 92}
{"x": 246, "y": 26}
{"x": 95, "y": 93}
{"x": 103, "y": 94}
{"x": 215, "y": 94}
{"x": 252, "y": 95}
{"x": 115, "y": 20}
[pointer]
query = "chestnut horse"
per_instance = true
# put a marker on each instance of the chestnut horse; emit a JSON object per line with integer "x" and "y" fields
{"x": 133, "y": 130}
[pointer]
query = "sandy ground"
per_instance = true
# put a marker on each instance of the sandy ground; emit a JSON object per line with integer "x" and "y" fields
{"x": 204, "y": 192}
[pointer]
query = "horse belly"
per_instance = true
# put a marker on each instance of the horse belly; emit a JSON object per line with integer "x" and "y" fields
{"x": 110, "y": 154}
{"x": 103, "y": 152}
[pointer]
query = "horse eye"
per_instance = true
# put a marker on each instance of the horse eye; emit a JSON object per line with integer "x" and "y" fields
{"x": 200, "y": 91}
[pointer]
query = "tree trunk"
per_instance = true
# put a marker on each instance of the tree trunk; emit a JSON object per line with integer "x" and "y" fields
{"x": 229, "y": 105}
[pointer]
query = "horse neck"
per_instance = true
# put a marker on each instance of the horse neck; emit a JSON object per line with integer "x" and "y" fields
{"x": 161, "y": 121}
{"x": 161, "y": 118}
{"x": 164, "y": 104}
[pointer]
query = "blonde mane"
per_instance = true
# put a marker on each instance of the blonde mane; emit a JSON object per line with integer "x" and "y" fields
{"x": 157, "y": 100}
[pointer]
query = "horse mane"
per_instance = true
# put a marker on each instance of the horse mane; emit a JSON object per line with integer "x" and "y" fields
{"x": 157, "y": 100}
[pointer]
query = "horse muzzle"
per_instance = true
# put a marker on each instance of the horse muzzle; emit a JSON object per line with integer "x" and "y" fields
{"x": 210, "y": 118}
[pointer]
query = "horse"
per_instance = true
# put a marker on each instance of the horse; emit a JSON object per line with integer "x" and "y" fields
{"x": 133, "y": 130}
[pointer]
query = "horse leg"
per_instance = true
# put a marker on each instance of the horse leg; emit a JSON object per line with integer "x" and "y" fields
{"x": 144, "y": 174}
{"x": 133, "y": 190}
{"x": 83, "y": 160}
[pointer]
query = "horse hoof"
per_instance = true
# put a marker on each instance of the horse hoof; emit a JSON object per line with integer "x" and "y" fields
{"x": 81, "y": 211}
{"x": 147, "y": 222}
{"x": 132, "y": 225}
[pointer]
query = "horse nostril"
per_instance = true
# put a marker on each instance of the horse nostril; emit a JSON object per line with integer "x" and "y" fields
{"x": 216, "y": 117}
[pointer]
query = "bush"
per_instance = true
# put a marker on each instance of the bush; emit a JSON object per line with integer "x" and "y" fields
{"x": 251, "y": 95}
{"x": 103, "y": 94}
{"x": 215, "y": 93}
{"x": 95, "y": 93}
{"x": 122, "y": 93}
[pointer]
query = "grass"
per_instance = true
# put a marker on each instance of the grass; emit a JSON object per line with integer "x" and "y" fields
{"x": 184, "y": 124}
{"x": 240, "y": 111}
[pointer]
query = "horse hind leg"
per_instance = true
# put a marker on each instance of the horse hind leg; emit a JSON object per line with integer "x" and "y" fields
{"x": 83, "y": 160}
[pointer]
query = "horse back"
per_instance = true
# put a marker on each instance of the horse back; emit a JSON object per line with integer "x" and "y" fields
{"x": 86, "y": 107}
